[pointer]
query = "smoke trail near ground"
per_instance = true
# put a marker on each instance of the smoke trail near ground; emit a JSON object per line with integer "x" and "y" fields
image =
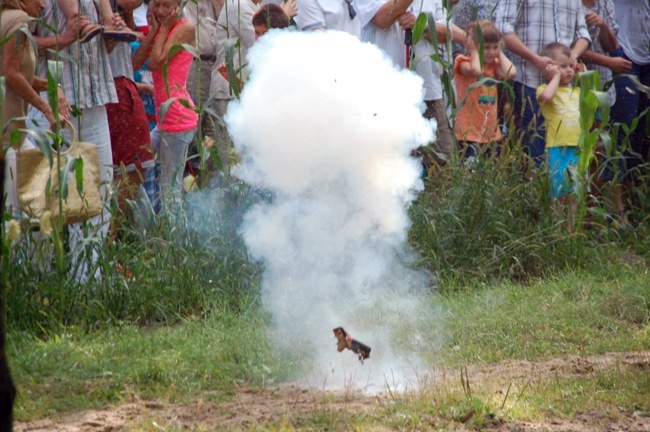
{"x": 327, "y": 124}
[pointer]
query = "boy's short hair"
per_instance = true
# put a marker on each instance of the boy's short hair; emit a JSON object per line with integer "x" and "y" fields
{"x": 491, "y": 33}
{"x": 553, "y": 49}
{"x": 272, "y": 16}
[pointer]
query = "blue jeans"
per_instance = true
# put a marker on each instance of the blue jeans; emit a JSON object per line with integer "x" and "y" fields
{"x": 170, "y": 151}
{"x": 630, "y": 102}
{"x": 529, "y": 121}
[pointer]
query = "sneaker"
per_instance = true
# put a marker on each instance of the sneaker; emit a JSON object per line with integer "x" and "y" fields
{"x": 120, "y": 34}
{"x": 89, "y": 32}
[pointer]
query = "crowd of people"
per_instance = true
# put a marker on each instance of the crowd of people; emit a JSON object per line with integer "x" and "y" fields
{"x": 135, "y": 92}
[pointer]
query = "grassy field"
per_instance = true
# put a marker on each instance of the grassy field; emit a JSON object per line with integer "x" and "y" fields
{"x": 206, "y": 359}
{"x": 533, "y": 326}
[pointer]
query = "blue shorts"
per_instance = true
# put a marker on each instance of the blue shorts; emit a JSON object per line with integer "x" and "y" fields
{"x": 559, "y": 161}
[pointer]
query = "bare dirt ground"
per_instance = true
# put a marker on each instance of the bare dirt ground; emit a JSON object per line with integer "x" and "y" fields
{"x": 253, "y": 408}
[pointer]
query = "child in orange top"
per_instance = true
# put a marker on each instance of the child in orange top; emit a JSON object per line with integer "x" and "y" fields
{"x": 477, "y": 123}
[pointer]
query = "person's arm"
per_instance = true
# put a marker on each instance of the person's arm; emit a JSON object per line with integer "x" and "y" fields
{"x": 144, "y": 88}
{"x": 507, "y": 14}
{"x": 389, "y": 12}
{"x": 139, "y": 56}
{"x": 444, "y": 28}
{"x": 185, "y": 34}
{"x": 514, "y": 44}
{"x": 473, "y": 67}
{"x": 579, "y": 47}
{"x": 117, "y": 22}
{"x": 15, "y": 80}
{"x": 607, "y": 37}
{"x": 217, "y": 5}
{"x": 506, "y": 70}
{"x": 223, "y": 71}
{"x": 40, "y": 85}
{"x": 548, "y": 93}
{"x": 69, "y": 36}
{"x": 617, "y": 65}
{"x": 444, "y": 32}
{"x": 290, "y": 8}
{"x": 127, "y": 13}
{"x": 581, "y": 39}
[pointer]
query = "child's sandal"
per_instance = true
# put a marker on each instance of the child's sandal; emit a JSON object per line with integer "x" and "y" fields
{"x": 120, "y": 34}
{"x": 89, "y": 32}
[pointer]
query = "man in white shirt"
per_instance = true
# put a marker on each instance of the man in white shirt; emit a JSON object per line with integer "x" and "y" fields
{"x": 203, "y": 15}
{"x": 328, "y": 15}
{"x": 384, "y": 23}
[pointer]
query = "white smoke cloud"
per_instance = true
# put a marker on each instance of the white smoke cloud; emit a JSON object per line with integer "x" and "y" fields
{"x": 327, "y": 124}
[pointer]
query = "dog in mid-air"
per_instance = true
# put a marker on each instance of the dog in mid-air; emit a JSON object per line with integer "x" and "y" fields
{"x": 346, "y": 341}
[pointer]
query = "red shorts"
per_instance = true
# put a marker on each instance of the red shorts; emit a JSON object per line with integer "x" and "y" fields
{"x": 129, "y": 128}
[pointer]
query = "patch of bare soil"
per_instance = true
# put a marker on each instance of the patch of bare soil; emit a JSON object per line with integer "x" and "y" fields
{"x": 251, "y": 408}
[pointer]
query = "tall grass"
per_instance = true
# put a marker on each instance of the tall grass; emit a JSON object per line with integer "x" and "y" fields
{"x": 488, "y": 219}
{"x": 492, "y": 217}
{"x": 178, "y": 265}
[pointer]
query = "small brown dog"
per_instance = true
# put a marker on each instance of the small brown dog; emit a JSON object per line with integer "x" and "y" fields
{"x": 346, "y": 341}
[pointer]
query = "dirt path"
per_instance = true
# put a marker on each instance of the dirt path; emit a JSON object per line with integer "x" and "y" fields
{"x": 250, "y": 407}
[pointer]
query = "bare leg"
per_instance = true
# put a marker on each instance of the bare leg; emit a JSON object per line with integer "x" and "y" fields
{"x": 567, "y": 208}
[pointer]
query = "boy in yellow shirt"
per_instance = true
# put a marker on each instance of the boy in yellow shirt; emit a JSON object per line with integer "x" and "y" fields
{"x": 560, "y": 105}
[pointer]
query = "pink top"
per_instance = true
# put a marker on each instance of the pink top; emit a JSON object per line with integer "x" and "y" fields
{"x": 177, "y": 118}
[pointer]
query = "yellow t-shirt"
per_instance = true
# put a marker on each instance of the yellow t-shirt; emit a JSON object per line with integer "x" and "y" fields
{"x": 562, "y": 116}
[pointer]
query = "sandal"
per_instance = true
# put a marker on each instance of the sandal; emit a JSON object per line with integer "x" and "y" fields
{"x": 120, "y": 34}
{"x": 89, "y": 32}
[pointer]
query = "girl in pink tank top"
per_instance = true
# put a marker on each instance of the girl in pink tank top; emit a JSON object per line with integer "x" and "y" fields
{"x": 176, "y": 122}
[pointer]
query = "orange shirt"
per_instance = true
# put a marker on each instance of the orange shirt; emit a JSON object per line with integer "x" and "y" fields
{"x": 477, "y": 120}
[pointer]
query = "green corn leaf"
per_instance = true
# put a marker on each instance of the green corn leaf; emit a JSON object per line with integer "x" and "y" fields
{"x": 53, "y": 76}
{"x": 165, "y": 70}
{"x": 48, "y": 189}
{"x": 43, "y": 140}
{"x": 62, "y": 54}
{"x": 214, "y": 154}
{"x": 79, "y": 175}
{"x": 478, "y": 83}
{"x": 431, "y": 23}
{"x": 606, "y": 140}
{"x": 230, "y": 47}
{"x": 5, "y": 40}
{"x": 164, "y": 107}
{"x": 186, "y": 103}
{"x": 481, "y": 45}
{"x": 192, "y": 50}
{"x": 603, "y": 104}
{"x": 24, "y": 31}
{"x": 68, "y": 170}
{"x": 419, "y": 28}
{"x": 637, "y": 83}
